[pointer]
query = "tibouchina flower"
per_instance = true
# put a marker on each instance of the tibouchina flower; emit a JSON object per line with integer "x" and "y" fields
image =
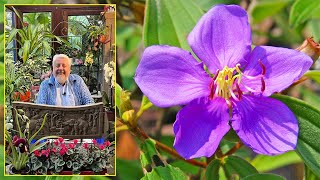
{"x": 241, "y": 81}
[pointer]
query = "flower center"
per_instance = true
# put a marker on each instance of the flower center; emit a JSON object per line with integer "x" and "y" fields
{"x": 226, "y": 83}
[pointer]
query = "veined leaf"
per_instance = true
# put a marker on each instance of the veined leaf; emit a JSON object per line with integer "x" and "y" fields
{"x": 148, "y": 149}
{"x": 263, "y": 176}
{"x": 170, "y": 22}
{"x": 302, "y": 10}
{"x": 212, "y": 171}
{"x": 309, "y": 127}
{"x": 168, "y": 173}
{"x": 237, "y": 165}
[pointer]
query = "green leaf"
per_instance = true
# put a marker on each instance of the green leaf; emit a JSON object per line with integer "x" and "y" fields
{"x": 128, "y": 70}
{"x": 265, "y": 176}
{"x": 166, "y": 173}
{"x": 309, "y": 127}
{"x": 2, "y": 10}
{"x": 148, "y": 148}
{"x": 310, "y": 97}
{"x": 207, "y": 4}
{"x": 302, "y": 10}
{"x": 1, "y": 46}
{"x": 2, "y": 168}
{"x": 309, "y": 175}
{"x": 314, "y": 26}
{"x": 186, "y": 167}
{"x": 267, "y": 163}
{"x": 118, "y": 94}
{"x": 145, "y": 104}
{"x": 26, "y": 52}
{"x": 265, "y": 8}
{"x": 237, "y": 165}
{"x": 212, "y": 171}
{"x": 170, "y": 22}
{"x": 314, "y": 74}
{"x": 129, "y": 169}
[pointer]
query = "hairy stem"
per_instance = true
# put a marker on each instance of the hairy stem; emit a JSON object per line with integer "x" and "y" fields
{"x": 233, "y": 149}
{"x": 143, "y": 136}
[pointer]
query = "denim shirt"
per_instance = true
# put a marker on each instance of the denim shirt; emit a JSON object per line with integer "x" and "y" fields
{"x": 47, "y": 93}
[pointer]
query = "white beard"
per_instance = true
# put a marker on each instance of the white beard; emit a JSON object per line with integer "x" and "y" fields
{"x": 61, "y": 78}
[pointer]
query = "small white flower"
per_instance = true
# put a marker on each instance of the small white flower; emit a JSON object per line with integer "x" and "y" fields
{"x": 9, "y": 126}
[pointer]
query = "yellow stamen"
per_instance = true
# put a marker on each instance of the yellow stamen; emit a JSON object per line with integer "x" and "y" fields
{"x": 225, "y": 81}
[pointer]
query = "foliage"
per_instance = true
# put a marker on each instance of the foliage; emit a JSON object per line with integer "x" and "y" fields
{"x": 59, "y": 155}
{"x": 20, "y": 145}
{"x": 34, "y": 40}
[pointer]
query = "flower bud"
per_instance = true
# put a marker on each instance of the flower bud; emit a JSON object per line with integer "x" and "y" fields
{"x": 125, "y": 103}
{"x": 310, "y": 48}
{"x": 129, "y": 116}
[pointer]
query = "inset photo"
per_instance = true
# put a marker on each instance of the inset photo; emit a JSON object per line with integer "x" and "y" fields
{"x": 59, "y": 89}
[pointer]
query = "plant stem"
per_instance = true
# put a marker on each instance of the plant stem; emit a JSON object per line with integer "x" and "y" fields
{"x": 143, "y": 136}
{"x": 233, "y": 149}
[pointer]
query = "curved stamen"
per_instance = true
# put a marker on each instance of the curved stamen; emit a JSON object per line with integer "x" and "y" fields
{"x": 213, "y": 87}
{"x": 263, "y": 85}
{"x": 239, "y": 91}
{"x": 233, "y": 95}
{"x": 250, "y": 89}
{"x": 263, "y": 68}
{"x": 253, "y": 77}
{"x": 216, "y": 75}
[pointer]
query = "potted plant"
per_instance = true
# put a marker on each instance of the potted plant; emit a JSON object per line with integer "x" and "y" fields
{"x": 34, "y": 40}
{"x": 99, "y": 34}
{"x": 67, "y": 158}
{"x": 19, "y": 145}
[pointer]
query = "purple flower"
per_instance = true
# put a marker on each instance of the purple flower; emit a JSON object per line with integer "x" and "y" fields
{"x": 21, "y": 144}
{"x": 235, "y": 94}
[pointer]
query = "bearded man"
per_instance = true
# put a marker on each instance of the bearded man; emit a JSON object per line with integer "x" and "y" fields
{"x": 63, "y": 88}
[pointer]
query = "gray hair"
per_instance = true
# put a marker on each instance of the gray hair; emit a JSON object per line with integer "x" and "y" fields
{"x": 61, "y": 56}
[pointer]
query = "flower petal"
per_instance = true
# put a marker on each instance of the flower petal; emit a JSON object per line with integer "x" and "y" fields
{"x": 222, "y": 37}
{"x": 264, "y": 124}
{"x": 171, "y": 76}
{"x": 283, "y": 67}
{"x": 200, "y": 127}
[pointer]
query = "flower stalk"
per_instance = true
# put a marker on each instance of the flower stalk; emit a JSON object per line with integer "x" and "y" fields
{"x": 139, "y": 133}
